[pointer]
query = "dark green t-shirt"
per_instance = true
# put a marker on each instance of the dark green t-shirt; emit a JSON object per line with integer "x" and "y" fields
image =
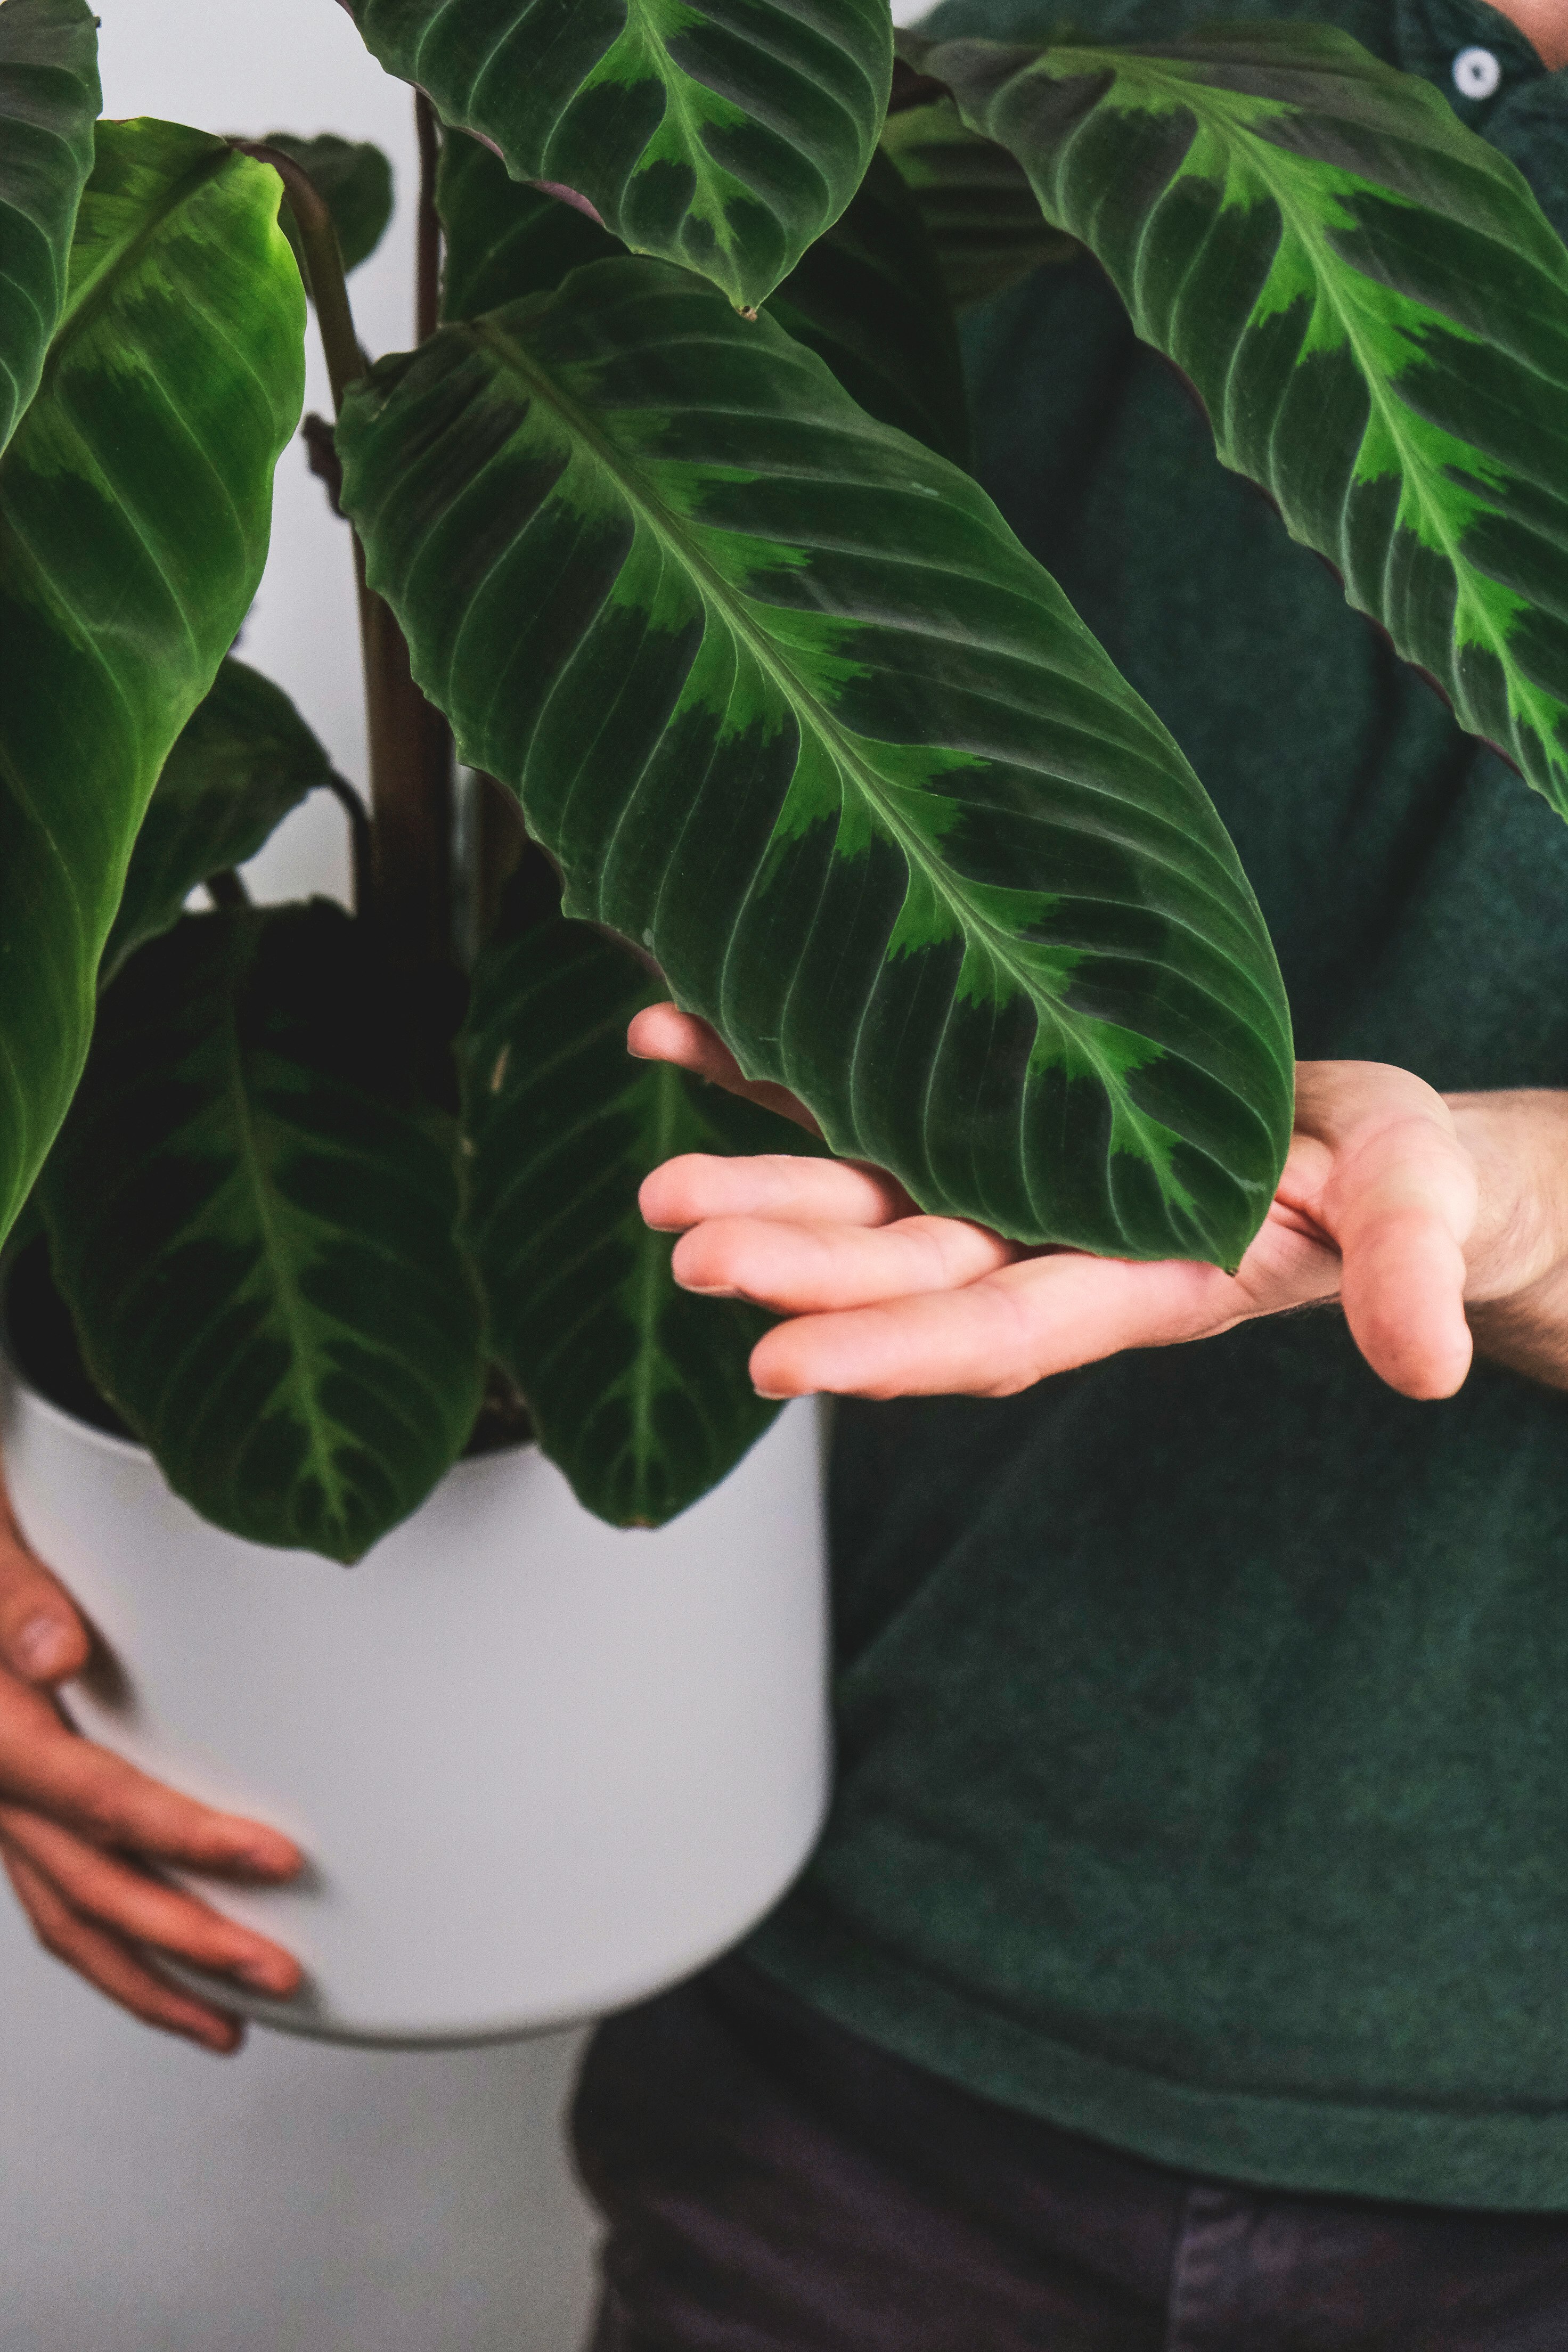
{"x": 1204, "y": 1714}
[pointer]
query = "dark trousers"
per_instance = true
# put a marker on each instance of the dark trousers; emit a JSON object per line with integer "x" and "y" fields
{"x": 775, "y": 2184}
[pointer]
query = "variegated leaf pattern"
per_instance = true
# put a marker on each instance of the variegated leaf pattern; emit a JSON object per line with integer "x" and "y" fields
{"x": 255, "y": 1230}
{"x": 982, "y": 217}
{"x": 723, "y": 134}
{"x": 867, "y": 296}
{"x": 244, "y": 759}
{"x": 48, "y": 100}
{"x": 638, "y": 1389}
{"x": 135, "y": 508}
{"x": 1374, "y": 309}
{"x": 792, "y": 709}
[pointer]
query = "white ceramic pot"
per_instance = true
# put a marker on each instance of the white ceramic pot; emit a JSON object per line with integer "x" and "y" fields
{"x": 540, "y": 1766}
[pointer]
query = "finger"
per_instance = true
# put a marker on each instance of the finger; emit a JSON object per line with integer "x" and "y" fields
{"x": 701, "y": 1184}
{"x": 1400, "y": 1203}
{"x": 662, "y": 1033}
{"x": 106, "y": 1964}
{"x": 998, "y": 1335}
{"x": 41, "y": 1636}
{"x": 800, "y": 1268}
{"x": 101, "y": 1888}
{"x": 45, "y": 1766}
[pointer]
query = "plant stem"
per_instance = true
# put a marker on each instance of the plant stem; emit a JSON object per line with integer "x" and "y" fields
{"x": 410, "y": 747}
{"x": 428, "y": 278}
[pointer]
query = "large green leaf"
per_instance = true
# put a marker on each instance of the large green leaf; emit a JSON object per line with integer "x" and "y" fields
{"x": 725, "y": 134}
{"x": 1373, "y": 307}
{"x": 792, "y": 707}
{"x": 135, "y": 504}
{"x": 639, "y": 1391}
{"x": 49, "y": 100}
{"x": 257, "y": 1236}
{"x": 354, "y": 180}
{"x": 981, "y": 215}
{"x": 867, "y": 296}
{"x": 244, "y": 759}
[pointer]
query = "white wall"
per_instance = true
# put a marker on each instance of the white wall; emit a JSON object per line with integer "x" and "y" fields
{"x": 296, "y": 2198}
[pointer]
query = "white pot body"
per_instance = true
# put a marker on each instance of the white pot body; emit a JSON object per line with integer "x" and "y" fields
{"x": 540, "y": 1766}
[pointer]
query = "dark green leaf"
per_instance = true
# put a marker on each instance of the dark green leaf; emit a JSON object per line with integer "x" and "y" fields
{"x": 638, "y": 1389}
{"x": 244, "y": 760}
{"x": 725, "y": 134}
{"x": 792, "y": 707}
{"x": 354, "y": 180}
{"x": 983, "y": 216}
{"x": 1373, "y": 307}
{"x": 865, "y": 294}
{"x": 135, "y": 503}
{"x": 257, "y": 1241}
{"x": 868, "y": 298}
{"x": 503, "y": 238}
{"x": 48, "y": 99}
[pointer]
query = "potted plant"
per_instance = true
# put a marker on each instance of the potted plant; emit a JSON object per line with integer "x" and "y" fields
{"x": 667, "y": 538}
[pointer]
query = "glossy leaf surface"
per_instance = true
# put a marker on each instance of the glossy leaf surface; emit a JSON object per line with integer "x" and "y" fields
{"x": 792, "y": 707}
{"x": 244, "y": 759}
{"x": 48, "y": 100}
{"x": 723, "y": 134}
{"x": 257, "y": 1243}
{"x": 354, "y": 180}
{"x": 135, "y": 505}
{"x": 638, "y": 1389}
{"x": 866, "y": 296}
{"x": 981, "y": 215}
{"x": 1373, "y": 307}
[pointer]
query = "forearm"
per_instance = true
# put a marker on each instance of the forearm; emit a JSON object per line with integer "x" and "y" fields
{"x": 1517, "y": 1303}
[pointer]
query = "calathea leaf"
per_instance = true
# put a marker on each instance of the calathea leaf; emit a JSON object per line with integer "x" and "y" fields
{"x": 354, "y": 180}
{"x": 49, "y": 100}
{"x": 866, "y": 296}
{"x": 135, "y": 502}
{"x": 639, "y": 1391}
{"x": 790, "y": 707}
{"x": 981, "y": 215}
{"x": 723, "y": 134}
{"x": 255, "y": 1233}
{"x": 1373, "y": 307}
{"x": 244, "y": 759}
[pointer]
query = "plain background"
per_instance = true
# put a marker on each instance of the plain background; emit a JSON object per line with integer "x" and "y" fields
{"x": 298, "y": 2199}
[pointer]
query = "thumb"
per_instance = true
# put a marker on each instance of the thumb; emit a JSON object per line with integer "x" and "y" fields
{"x": 42, "y": 1638}
{"x": 1401, "y": 1205}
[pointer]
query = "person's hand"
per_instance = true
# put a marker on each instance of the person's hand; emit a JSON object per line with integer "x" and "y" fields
{"x": 76, "y": 1823}
{"x": 1430, "y": 1219}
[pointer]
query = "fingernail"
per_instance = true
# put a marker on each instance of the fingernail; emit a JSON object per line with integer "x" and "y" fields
{"x": 43, "y": 1646}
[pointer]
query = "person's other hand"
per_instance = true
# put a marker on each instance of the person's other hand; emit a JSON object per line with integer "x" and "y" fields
{"x": 1424, "y": 1217}
{"x": 77, "y": 1823}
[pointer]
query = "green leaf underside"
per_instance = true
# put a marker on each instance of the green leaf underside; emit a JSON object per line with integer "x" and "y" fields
{"x": 639, "y": 1391}
{"x": 722, "y": 134}
{"x": 48, "y": 100}
{"x": 1373, "y": 307}
{"x": 257, "y": 1248}
{"x": 244, "y": 759}
{"x": 354, "y": 180}
{"x": 865, "y": 297}
{"x": 792, "y": 709}
{"x": 135, "y": 505}
{"x": 981, "y": 214}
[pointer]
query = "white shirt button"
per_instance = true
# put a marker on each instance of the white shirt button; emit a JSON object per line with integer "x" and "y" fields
{"x": 1476, "y": 73}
